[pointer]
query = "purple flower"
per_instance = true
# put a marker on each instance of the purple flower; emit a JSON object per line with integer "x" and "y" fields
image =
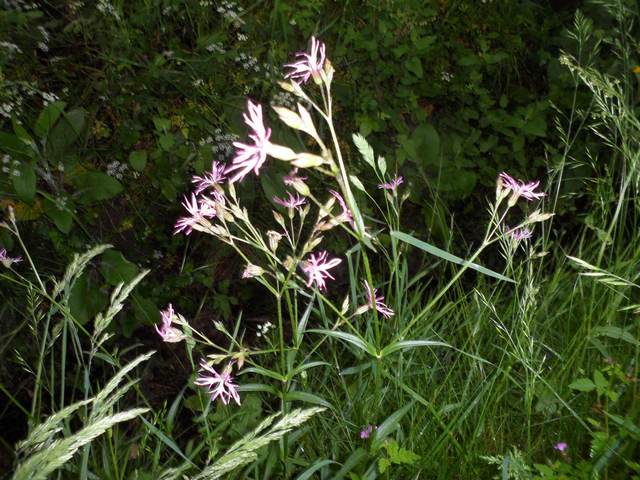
{"x": 200, "y": 209}
{"x": 367, "y": 431}
{"x": 218, "y": 385}
{"x": 393, "y": 184}
{"x": 308, "y": 64}
{"x": 6, "y": 260}
{"x": 168, "y": 333}
{"x": 209, "y": 179}
{"x": 561, "y": 447}
{"x": 519, "y": 188}
{"x": 346, "y": 213}
{"x": 519, "y": 234}
{"x": 251, "y": 156}
{"x": 291, "y": 201}
{"x": 376, "y": 301}
{"x": 292, "y": 178}
{"x": 317, "y": 269}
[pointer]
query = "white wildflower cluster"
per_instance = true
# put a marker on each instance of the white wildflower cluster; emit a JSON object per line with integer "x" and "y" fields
{"x": 157, "y": 255}
{"x": 248, "y": 62}
{"x": 20, "y": 5}
{"x": 283, "y": 99}
{"x": 216, "y": 47}
{"x": 76, "y": 5}
{"x": 231, "y": 12}
{"x": 107, "y": 9}
{"x": 242, "y": 37}
{"x": 12, "y": 96}
{"x": 49, "y": 97}
{"x": 198, "y": 82}
{"x": 446, "y": 76}
{"x": 264, "y": 328}
{"x": 9, "y": 166}
{"x": 116, "y": 169}
{"x": 43, "y": 44}
{"x": 11, "y": 48}
{"x": 221, "y": 143}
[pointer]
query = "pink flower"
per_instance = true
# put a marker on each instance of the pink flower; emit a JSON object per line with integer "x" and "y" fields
{"x": 214, "y": 177}
{"x": 393, "y": 184}
{"x": 317, "y": 269}
{"x": 168, "y": 333}
{"x": 251, "y": 156}
{"x": 291, "y": 201}
{"x": 218, "y": 385}
{"x": 292, "y": 178}
{"x": 346, "y": 213}
{"x": 520, "y": 188}
{"x": 6, "y": 260}
{"x": 519, "y": 234}
{"x": 200, "y": 209}
{"x": 308, "y": 64}
{"x": 367, "y": 431}
{"x": 375, "y": 301}
{"x": 561, "y": 447}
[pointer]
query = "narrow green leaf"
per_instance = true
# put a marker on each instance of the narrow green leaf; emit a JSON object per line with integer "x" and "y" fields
{"x": 265, "y": 373}
{"x": 390, "y": 424}
{"x": 349, "y": 338}
{"x": 307, "y": 398}
{"x": 394, "y": 347}
{"x": 438, "y": 252}
{"x": 314, "y": 468}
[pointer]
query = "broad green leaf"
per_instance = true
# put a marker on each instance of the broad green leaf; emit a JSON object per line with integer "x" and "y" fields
{"x": 138, "y": 159}
{"x": 583, "y": 385}
{"x": 145, "y": 310}
{"x": 67, "y": 130}
{"x": 96, "y": 186}
{"x": 48, "y": 118}
{"x": 25, "y": 182}
{"x": 166, "y": 141}
{"x": 616, "y": 333}
{"x": 414, "y": 65}
{"x": 438, "y": 252}
{"x": 61, "y": 217}
{"x": 14, "y": 145}
{"x": 116, "y": 269}
{"x": 426, "y": 140}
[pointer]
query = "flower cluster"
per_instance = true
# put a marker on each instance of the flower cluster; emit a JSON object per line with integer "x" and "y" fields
{"x": 168, "y": 333}
{"x": 375, "y": 301}
{"x": 317, "y": 269}
{"x": 219, "y": 385}
{"x": 308, "y": 64}
{"x": 6, "y": 260}
{"x": 519, "y": 188}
